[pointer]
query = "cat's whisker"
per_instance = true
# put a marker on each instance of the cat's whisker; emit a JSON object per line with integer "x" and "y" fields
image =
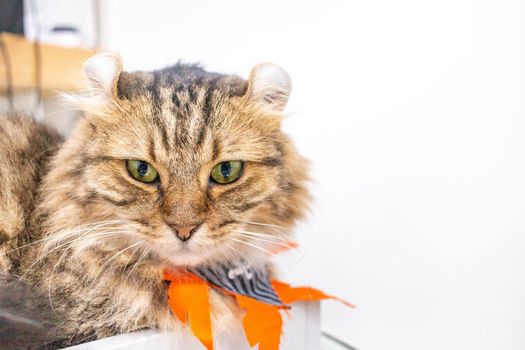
{"x": 251, "y": 245}
{"x": 227, "y": 254}
{"x": 60, "y": 111}
{"x": 84, "y": 236}
{"x": 138, "y": 262}
{"x": 88, "y": 241}
{"x": 263, "y": 243}
{"x": 281, "y": 236}
{"x": 232, "y": 254}
{"x": 114, "y": 256}
{"x": 87, "y": 227}
{"x": 133, "y": 254}
{"x": 47, "y": 252}
{"x": 234, "y": 257}
{"x": 51, "y": 277}
{"x": 59, "y": 261}
{"x": 47, "y": 150}
{"x": 266, "y": 236}
{"x": 282, "y": 244}
{"x": 102, "y": 223}
{"x": 54, "y": 236}
{"x": 264, "y": 224}
{"x": 34, "y": 263}
{"x": 118, "y": 225}
{"x": 238, "y": 256}
{"x": 58, "y": 235}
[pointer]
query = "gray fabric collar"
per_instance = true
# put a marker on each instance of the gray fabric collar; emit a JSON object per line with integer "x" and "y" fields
{"x": 240, "y": 278}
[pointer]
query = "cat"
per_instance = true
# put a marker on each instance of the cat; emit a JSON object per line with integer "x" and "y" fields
{"x": 168, "y": 168}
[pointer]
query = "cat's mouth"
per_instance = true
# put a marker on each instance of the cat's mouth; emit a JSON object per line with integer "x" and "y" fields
{"x": 200, "y": 248}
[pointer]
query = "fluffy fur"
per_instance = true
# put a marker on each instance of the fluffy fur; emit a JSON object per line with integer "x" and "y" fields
{"x": 25, "y": 148}
{"x": 99, "y": 239}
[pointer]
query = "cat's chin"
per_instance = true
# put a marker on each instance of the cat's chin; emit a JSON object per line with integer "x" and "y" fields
{"x": 186, "y": 260}
{"x": 186, "y": 257}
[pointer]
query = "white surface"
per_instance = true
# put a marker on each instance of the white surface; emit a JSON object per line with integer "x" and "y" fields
{"x": 412, "y": 113}
{"x": 301, "y": 332}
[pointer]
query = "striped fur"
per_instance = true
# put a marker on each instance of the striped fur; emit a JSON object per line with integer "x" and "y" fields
{"x": 103, "y": 238}
{"x": 25, "y": 147}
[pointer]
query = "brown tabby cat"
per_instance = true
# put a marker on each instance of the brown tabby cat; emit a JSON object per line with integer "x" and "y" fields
{"x": 175, "y": 167}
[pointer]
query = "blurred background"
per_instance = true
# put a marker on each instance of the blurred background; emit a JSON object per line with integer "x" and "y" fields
{"x": 413, "y": 116}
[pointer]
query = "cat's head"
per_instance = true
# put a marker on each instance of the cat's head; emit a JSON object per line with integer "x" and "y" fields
{"x": 190, "y": 164}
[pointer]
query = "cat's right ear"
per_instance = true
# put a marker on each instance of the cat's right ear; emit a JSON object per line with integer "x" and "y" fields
{"x": 102, "y": 72}
{"x": 269, "y": 87}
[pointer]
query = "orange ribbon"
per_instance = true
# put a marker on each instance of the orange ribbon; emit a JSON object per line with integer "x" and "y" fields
{"x": 188, "y": 297}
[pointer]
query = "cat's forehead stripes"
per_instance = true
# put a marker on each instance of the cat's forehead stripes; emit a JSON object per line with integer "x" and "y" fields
{"x": 182, "y": 99}
{"x": 189, "y": 85}
{"x": 190, "y": 117}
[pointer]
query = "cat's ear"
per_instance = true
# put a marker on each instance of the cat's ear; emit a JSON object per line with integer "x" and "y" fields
{"x": 269, "y": 87}
{"x": 102, "y": 72}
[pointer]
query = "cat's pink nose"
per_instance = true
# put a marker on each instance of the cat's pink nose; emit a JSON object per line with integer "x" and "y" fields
{"x": 185, "y": 232}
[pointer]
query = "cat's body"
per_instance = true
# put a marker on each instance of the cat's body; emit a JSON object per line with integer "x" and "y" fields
{"x": 98, "y": 239}
{"x": 25, "y": 149}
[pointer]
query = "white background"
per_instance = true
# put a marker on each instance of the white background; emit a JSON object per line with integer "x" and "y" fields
{"x": 412, "y": 113}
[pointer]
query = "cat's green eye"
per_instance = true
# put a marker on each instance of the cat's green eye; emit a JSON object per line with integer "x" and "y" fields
{"x": 227, "y": 172}
{"x": 141, "y": 170}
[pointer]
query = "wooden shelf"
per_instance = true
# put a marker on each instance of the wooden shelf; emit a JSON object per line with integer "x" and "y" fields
{"x": 61, "y": 67}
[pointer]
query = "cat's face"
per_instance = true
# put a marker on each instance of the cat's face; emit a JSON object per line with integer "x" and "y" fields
{"x": 192, "y": 164}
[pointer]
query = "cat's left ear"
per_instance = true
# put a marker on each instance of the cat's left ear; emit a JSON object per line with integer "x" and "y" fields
{"x": 102, "y": 72}
{"x": 269, "y": 87}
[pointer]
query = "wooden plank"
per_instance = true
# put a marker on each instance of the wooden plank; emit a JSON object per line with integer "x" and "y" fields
{"x": 61, "y": 67}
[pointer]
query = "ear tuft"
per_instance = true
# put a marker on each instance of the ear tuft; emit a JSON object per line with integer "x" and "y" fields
{"x": 102, "y": 72}
{"x": 269, "y": 87}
